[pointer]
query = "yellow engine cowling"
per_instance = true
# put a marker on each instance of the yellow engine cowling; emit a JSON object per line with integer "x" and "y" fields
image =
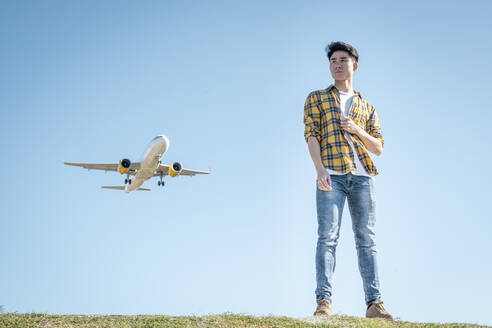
{"x": 124, "y": 166}
{"x": 175, "y": 169}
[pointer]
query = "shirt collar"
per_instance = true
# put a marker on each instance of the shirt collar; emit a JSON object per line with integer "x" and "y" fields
{"x": 332, "y": 87}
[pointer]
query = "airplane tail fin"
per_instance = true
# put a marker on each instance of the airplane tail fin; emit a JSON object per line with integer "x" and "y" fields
{"x": 122, "y": 188}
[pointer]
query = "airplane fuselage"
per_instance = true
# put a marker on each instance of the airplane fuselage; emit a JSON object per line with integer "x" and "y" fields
{"x": 150, "y": 161}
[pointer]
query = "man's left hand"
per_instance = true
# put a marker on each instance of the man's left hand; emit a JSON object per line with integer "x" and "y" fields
{"x": 348, "y": 125}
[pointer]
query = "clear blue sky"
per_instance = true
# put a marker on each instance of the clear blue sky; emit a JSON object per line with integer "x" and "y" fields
{"x": 94, "y": 81}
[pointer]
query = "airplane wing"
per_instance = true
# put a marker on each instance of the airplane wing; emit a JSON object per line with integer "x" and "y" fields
{"x": 164, "y": 170}
{"x": 122, "y": 188}
{"x": 104, "y": 167}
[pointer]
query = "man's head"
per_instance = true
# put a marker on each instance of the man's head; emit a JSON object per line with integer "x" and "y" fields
{"x": 343, "y": 60}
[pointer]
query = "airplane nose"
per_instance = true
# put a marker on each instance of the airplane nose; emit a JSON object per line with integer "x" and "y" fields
{"x": 166, "y": 140}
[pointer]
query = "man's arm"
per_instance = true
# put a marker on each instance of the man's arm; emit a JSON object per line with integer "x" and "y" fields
{"x": 312, "y": 134}
{"x": 324, "y": 181}
{"x": 374, "y": 145}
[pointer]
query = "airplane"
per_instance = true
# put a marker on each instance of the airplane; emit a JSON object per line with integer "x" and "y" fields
{"x": 139, "y": 172}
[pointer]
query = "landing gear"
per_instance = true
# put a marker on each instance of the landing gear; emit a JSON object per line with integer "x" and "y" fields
{"x": 161, "y": 182}
{"x": 128, "y": 180}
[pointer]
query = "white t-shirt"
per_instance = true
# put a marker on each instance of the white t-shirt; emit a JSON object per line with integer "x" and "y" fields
{"x": 346, "y": 99}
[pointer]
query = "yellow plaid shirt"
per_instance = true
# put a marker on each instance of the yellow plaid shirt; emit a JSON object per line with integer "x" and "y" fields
{"x": 322, "y": 120}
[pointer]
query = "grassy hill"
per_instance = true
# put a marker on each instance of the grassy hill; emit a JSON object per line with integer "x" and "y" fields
{"x": 15, "y": 320}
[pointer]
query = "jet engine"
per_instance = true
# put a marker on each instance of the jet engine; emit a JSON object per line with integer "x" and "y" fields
{"x": 124, "y": 166}
{"x": 175, "y": 169}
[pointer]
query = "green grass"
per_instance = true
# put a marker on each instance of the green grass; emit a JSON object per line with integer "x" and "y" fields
{"x": 227, "y": 320}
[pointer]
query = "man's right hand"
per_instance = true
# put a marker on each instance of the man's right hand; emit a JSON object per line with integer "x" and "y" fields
{"x": 324, "y": 181}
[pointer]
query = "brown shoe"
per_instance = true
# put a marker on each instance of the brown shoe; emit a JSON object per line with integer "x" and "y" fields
{"x": 324, "y": 308}
{"x": 377, "y": 310}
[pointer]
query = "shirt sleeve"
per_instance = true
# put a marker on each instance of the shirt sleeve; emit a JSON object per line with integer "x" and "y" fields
{"x": 373, "y": 127}
{"x": 312, "y": 118}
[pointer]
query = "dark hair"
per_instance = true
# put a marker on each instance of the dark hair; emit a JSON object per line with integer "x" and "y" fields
{"x": 339, "y": 45}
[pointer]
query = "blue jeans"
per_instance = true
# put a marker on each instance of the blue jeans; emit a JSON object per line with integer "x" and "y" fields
{"x": 359, "y": 190}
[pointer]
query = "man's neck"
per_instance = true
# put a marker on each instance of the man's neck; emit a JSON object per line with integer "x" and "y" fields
{"x": 344, "y": 85}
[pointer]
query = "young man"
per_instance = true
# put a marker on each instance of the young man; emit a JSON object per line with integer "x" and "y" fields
{"x": 340, "y": 128}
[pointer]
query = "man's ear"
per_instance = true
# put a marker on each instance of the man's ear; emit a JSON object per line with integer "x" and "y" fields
{"x": 356, "y": 65}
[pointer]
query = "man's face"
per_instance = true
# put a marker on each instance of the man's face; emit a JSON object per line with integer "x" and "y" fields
{"x": 342, "y": 66}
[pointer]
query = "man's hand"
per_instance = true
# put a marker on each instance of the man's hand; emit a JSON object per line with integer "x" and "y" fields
{"x": 372, "y": 144}
{"x": 324, "y": 181}
{"x": 348, "y": 125}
